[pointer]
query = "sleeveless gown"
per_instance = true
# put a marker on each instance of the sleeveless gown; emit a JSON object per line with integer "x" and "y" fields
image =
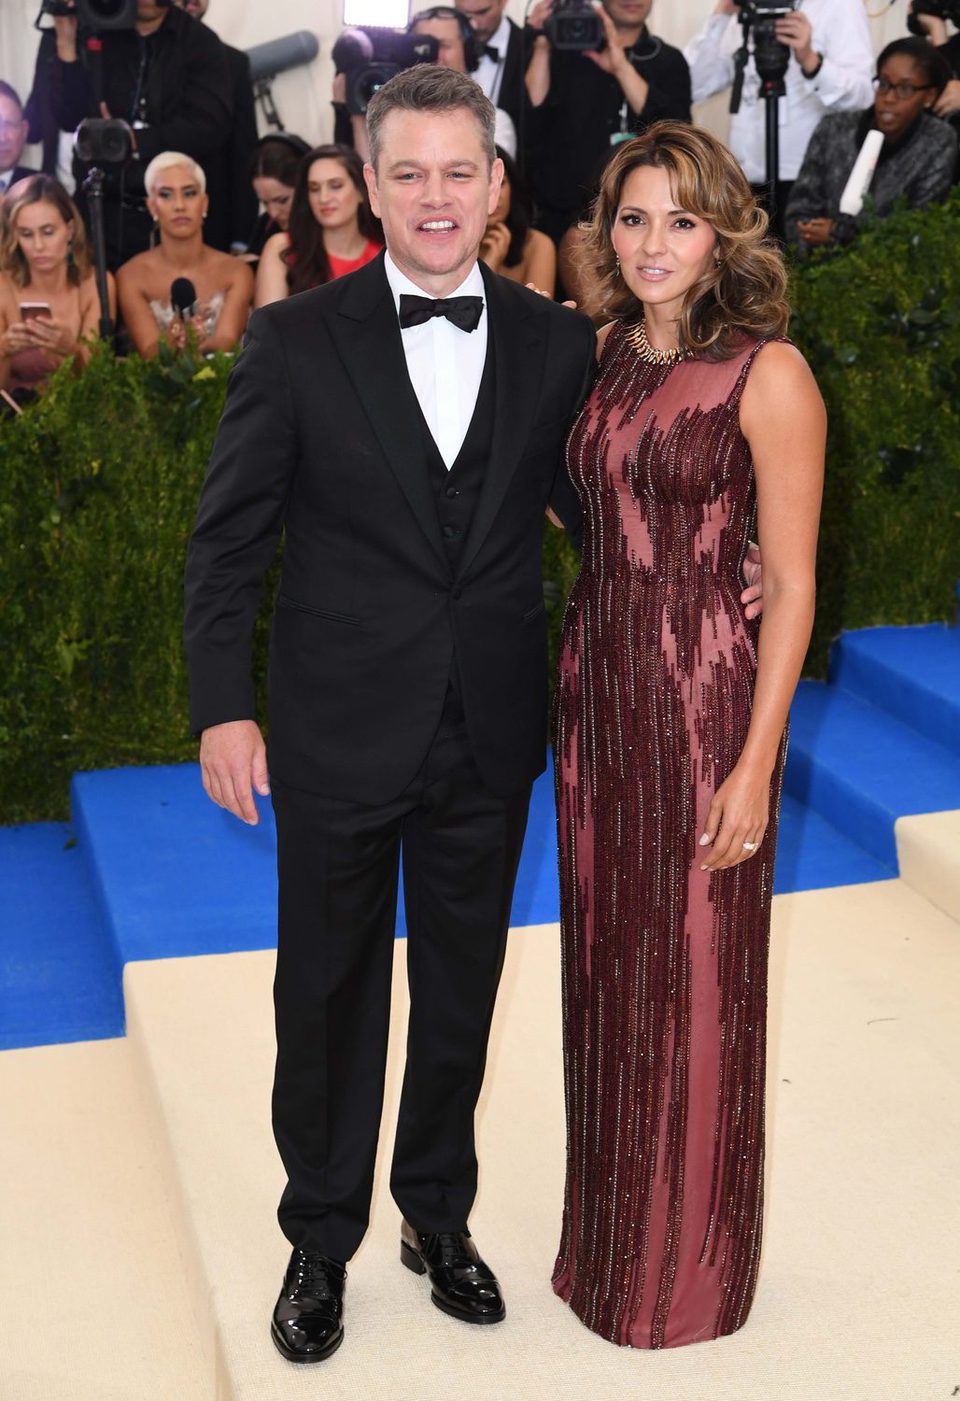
{"x": 664, "y": 965}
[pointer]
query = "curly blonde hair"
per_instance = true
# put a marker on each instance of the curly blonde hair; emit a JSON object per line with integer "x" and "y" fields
{"x": 744, "y": 292}
{"x": 36, "y": 189}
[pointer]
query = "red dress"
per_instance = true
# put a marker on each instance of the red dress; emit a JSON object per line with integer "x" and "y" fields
{"x": 664, "y": 966}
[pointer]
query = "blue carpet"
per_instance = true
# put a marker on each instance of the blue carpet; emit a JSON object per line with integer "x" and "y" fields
{"x": 178, "y": 876}
{"x": 59, "y": 978}
{"x": 912, "y": 673}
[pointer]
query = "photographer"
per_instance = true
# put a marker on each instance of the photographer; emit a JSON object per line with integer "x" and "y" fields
{"x": 167, "y": 79}
{"x": 935, "y": 28}
{"x": 831, "y": 62}
{"x": 586, "y": 102}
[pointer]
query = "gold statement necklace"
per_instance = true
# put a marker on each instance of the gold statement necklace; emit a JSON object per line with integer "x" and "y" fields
{"x": 637, "y": 336}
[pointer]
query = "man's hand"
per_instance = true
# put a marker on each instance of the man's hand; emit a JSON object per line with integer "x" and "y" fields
{"x": 725, "y": 7}
{"x": 752, "y": 596}
{"x": 796, "y": 32}
{"x": 816, "y": 233}
{"x": 233, "y": 761}
{"x": 949, "y": 100}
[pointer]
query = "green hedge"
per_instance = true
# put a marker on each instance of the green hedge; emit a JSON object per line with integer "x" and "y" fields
{"x": 99, "y": 482}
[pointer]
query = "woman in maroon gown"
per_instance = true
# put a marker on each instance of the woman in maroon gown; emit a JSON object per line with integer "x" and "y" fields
{"x": 704, "y": 424}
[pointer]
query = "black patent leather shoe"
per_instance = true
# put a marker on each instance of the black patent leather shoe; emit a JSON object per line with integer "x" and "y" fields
{"x": 307, "y": 1323}
{"x": 461, "y": 1284}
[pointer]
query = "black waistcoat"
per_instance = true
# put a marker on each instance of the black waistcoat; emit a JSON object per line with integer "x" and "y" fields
{"x": 457, "y": 491}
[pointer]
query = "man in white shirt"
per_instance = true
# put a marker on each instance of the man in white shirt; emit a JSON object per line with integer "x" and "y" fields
{"x": 404, "y": 427}
{"x": 460, "y": 49}
{"x": 500, "y": 71}
{"x": 830, "y": 70}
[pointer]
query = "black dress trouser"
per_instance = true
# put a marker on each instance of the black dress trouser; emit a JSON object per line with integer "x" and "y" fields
{"x": 338, "y": 870}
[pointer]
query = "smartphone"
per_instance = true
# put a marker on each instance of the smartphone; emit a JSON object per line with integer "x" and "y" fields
{"x": 31, "y": 310}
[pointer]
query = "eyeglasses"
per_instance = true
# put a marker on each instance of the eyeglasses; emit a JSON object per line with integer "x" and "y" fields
{"x": 11, "y": 128}
{"x": 904, "y": 91}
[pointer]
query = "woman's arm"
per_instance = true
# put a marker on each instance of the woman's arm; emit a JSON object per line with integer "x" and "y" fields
{"x": 784, "y": 421}
{"x": 232, "y": 321}
{"x": 271, "y": 285}
{"x": 540, "y": 262}
{"x": 139, "y": 320}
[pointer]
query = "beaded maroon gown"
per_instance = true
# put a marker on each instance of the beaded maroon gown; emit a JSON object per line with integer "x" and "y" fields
{"x": 664, "y": 966}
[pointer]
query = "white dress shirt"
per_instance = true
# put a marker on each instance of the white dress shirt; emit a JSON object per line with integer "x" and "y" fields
{"x": 445, "y": 364}
{"x": 5, "y": 179}
{"x": 489, "y": 74}
{"x": 841, "y": 33}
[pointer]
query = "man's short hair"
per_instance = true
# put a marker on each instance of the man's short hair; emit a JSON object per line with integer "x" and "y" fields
{"x": 427, "y": 87}
{"x": 7, "y": 91}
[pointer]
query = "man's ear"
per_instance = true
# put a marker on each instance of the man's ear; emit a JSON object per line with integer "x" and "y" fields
{"x": 496, "y": 180}
{"x": 370, "y": 176}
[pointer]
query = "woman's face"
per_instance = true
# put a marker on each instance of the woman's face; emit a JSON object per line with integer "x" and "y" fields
{"x": 663, "y": 250}
{"x": 43, "y": 236}
{"x": 177, "y": 202}
{"x": 902, "y": 94}
{"x": 334, "y": 198}
{"x": 502, "y": 212}
{"x": 275, "y": 198}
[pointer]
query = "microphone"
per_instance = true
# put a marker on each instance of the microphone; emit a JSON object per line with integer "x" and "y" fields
{"x": 854, "y": 193}
{"x": 277, "y": 55}
{"x": 183, "y": 295}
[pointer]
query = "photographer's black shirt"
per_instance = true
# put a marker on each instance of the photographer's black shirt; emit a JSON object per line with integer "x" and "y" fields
{"x": 177, "y": 80}
{"x": 571, "y": 132}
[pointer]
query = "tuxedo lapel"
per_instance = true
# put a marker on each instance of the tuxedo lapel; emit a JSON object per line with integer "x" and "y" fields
{"x": 367, "y": 337}
{"x": 519, "y": 343}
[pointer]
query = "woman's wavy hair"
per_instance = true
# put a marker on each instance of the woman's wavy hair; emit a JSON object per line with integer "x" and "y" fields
{"x": 520, "y": 214}
{"x": 306, "y": 257}
{"x": 37, "y": 189}
{"x": 743, "y": 294}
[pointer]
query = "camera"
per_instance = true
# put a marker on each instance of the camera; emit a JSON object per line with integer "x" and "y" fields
{"x": 94, "y": 14}
{"x": 938, "y": 9}
{"x": 765, "y": 9}
{"x": 574, "y": 25}
{"x": 369, "y": 56}
{"x": 103, "y": 139}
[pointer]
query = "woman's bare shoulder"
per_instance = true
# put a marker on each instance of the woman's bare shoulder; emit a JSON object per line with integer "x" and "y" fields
{"x": 602, "y": 334}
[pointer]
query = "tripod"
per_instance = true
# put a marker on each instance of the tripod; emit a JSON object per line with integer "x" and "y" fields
{"x": 771, "y": 58}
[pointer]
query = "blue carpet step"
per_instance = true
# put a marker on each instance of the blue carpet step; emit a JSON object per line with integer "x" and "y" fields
{"x": 59, "y": 974}
{"x": 861, "y": 769}
{"x": 911, "y": 672}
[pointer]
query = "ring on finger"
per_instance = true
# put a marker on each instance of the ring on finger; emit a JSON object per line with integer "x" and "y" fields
{"x": 750, "y": 846}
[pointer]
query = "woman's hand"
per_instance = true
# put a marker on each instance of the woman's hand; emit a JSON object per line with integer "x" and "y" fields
{"x": 613, "y": 59}
{"x": 737, "y": 819}
{"x": 16, "y": 337}
{"x": 815, "y": 232}
{"x": 495, "y": 246}
{"x": 539, "y": 15}
{"x": 47, "y": 333}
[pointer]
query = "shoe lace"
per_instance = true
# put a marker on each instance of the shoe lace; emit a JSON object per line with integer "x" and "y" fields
{"x": 312, "y": 1272}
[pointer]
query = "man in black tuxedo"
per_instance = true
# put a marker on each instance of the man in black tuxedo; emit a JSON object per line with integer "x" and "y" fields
{"x": 14, "y": 128}
{"x": 404, "y": 426}
{"x": 503, "y": 56}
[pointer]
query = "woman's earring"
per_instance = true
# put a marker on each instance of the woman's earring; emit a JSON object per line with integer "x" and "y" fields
{"x": 618, "y": 267}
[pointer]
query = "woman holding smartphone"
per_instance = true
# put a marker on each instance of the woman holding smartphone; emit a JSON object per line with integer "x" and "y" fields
{"x": 49, "y": 305}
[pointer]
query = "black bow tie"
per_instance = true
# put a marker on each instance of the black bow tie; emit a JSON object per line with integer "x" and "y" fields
{"x": 492, "y": 51}
{"x": 462, "y": 311}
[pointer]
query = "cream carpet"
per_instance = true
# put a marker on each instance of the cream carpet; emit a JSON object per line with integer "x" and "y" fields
{"x": 859, "y": 1295}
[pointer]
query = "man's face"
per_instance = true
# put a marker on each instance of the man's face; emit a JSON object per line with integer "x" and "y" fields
{"x": 148, "y": 11}
{"x": 484, "y": 16}
{"x": 450, "y": 38}
{"x": 434, "y": 192}
{"x": 196, "y": 8}
{"x": 628, "y": 14}
{"x": 13, "y": 133}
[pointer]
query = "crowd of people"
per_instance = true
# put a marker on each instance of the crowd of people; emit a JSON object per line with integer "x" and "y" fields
{"x": 242, "y": 221}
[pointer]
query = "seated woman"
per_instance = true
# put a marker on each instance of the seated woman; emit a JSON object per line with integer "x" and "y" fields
{"x": 273, "y": 174}
{"x": 510, "y": 245}
{"x": 49, "y": 304}
{"x": 332, "y": 229}
{"x": 917, "y": 160}
{"x": 222, "y": 285}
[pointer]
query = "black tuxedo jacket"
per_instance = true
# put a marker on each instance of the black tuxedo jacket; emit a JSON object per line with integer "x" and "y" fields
{"x": 512, "y": 95}
{"x": 322, "y": 437}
